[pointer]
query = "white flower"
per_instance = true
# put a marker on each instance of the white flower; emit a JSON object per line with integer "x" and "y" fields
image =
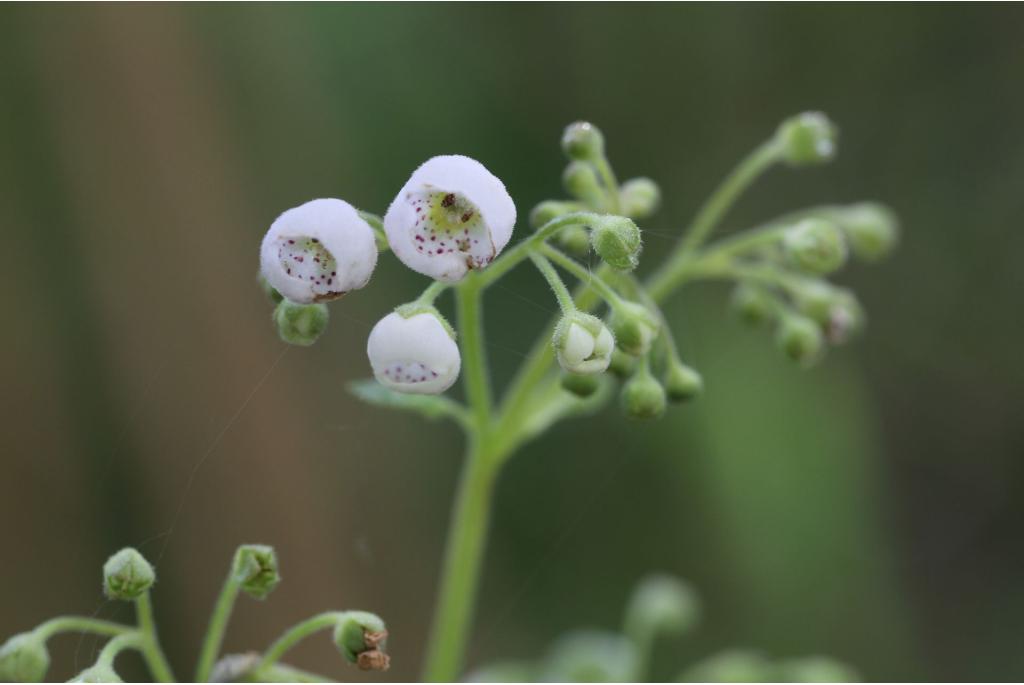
{"x": 415, "y": 354}
{"x": 583, "y": 344}
{"x": 318, "y": 251}
{"x": 452, "y": 215}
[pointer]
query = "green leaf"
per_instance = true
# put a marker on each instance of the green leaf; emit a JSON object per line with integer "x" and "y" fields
{"x": 432, "y": 407}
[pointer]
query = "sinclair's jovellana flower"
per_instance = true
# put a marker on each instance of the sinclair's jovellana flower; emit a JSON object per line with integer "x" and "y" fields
{"x": 452, "y": 215}
{"x": 318, "y": 251}
{"x": 583, "y": 344}
{"x": 414, "y": 354}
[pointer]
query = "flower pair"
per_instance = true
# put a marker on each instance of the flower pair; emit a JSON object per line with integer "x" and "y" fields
{"x": 450, "y": 217}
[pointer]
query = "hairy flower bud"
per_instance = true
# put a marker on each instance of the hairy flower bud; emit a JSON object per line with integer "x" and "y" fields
{"x": 815, "y": 245}
{"x": 622, "y": 365}
{"x": 583, "y": 344}
{"x": 799, "y": 338}
{"x": 24, "y": 659}
{"x": 640, "y": 198}
{"x": 682, "y": 382}
{"x": 753, "y": 305}
{"x": 580, "y": 181}
{"x": 836, "y": 310}
{"x": 549, "y": 210}
{"x": 582, "y": 140}
{"x": 581, "y": 384}
{"x": 575, "y": 240}
{"x": 452, "y": 215}
{"x": 361, "y": 638}
{"x": 807, "y": 138}
{"x": 254, "y": 568}
{"x": 662, "y": 604}
{"x": 872, "y": 230}
{"x": 635, "y": 328}
{"x": 318, "y": 251}
{"x": 414, "y": 353}
{"x": 643, "y": 397}
{"x": 127, "y": 575}
{"x": 617, "y": 241}
{"x": 300, "y": 324}
{"x": 97, "y": 673}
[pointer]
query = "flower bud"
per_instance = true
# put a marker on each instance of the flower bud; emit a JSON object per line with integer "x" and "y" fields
{"x": 127, "y": 575}
{"x": 639, "y": 197}
{"x": 662, "y": 604}
{"x": 414, "y": 351}
{"x": 97, "y": 673}
{"x": 451, "y": 216}
{"x": 581, "y": 384}
{"x": 617, "y": 241}
{"x": 845, "y": 317}
{"x": 583, "y": 344}
{"x": 549, "y": 210}
{"x": 582, "y": 140}
{"x": 642, "y": 396}
{"x": 634, "y": 328}
{"x": 300, "y": 324}
{"x": 872, "y": 230}
{"x": 799, "y": 338}
{"x": 24, "y": 659}
{"x": 815, "y": 669}
{"x": 575, "y": 240}
{"x": 622, "y": 365}
{"x": 682, "y": 382}
{"x": 753, "y": 304}
{"x": 590, "y": 657}
{"x": 807, "y": 138}
{"x": 361, "y": 638}
{"x": 255, "y": 570}
{"x": 732, "y": 666}
{"x": 580, "y": 181}
{"x": 815, "y": 245}
{"x": 318, "y": 251}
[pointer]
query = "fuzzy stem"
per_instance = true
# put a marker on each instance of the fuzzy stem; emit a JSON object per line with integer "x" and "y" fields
{"x": 431, "y": 293}
{"x": 218, "y": 624}
{"x": 150, "y": 647}
{"x": 523, "y": 248}
{"x": 130, "y": 640}
{"x": 562, "y": 294}
{"x": 584, "y": 275}
{"x": 80, "y": 624}
{"x": 295, "y": 635}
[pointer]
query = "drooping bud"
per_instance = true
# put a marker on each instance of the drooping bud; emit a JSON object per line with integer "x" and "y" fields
{"x": 549, "y": 210}
{"x": 639, "y": 197}
{"x": 872, "y": 229}
{"x": 414, "y": 351}
{"x": 617, "y": 241}
{"x": 836, "y": 310}
{"x": 254, "y": 568}
{"x": 127, "y": 575}
{"x": 575, "y": 240}
{"x": 807, "y": 138}
{"x": 815, "y": 245}
{"x": 642, "y": 396}
{"x": 98, "y": 673}
{"x": 583, "y": 344}
{"x": 662, "y": 604}
{"x": 815, "y": 669}
{"x": 24, "y": 659}
{"x": 590, "y": 657}
{"x": 754, "y": 305}
{"x": 622, "y": 365}
{"x": 452, "y": 215}
{"x": 583, "y": 141}
{"x": 732, "y": 666}
{"x": 635, "y": 328}
{"x": 361, "y": 637}
{"x": 580, "y": 181}
{"x": 682, "y": 382}
{"x": 799, "y": 338}
{"x": 300, "y": 324}
{"x": 581, "y": 384}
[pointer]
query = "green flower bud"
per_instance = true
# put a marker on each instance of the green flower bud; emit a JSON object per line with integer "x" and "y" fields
{"x": 799, "y": 338}
{"x": 639, "y": 197}
{"x": 754, "y": 305}
{"x": 127, "y": 575}
{"x": 731, "y": 666}
{"x": 872, "y": 230}
{"x": 24, "y": 659}
{"x": 583, "y": 344}
{"x": 815, "y": 245}
{"x": 682, "y": 382}
{"x": 580, "y": 181}
{"x": 550, "y": 210}
{"x": 574, "y": 240}
{"x": 617, "y": 241}
{"x": 582, "y": 140}
{"x": 272, "y": 294}
{"x": 255, "y": 570}
{"x": 504, "y": 672}
{"x": 581, "y": 384}
{"x": 807, "y": 138}
{"x": 642, "y": 396}
{"x": 361, "y": 638}
{"x": 300, "y": 324}
{"x": 635, "y": 328}
{"x": 837, "y": 310}
{"x": 97, "y": 673}
{"x": 623, "y": 365}
{"x": 816, "y": 669}
{"x": 662, "y": 604}
{"x": 590, "y": 657}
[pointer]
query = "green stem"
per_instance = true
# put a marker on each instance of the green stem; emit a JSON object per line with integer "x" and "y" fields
{"x": 431, "y": 293}
{"x": 562, "y": 294}
{"x": 584, "y": 275}
{"x": 218, "y": 625}
{"x": 294, "y": 635}
{"x": 150, "y": 647}
{"x": 80, "y": 624}
{"x": 523, "y": 248}
{"x": 131, "y": 640}
{"x": 474, "y": 367}
{"x": 604, "y": 170}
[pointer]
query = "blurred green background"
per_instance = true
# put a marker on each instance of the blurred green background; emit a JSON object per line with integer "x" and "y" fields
{"x": 870, "y": 508}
